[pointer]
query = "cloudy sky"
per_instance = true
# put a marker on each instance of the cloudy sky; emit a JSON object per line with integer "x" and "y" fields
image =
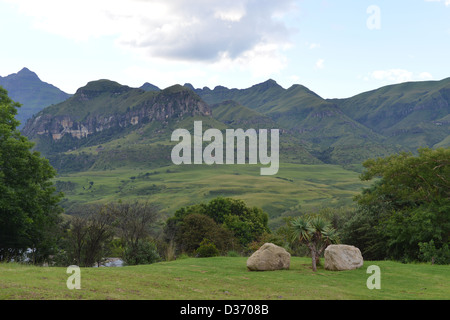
{"x": 337, "y": 48}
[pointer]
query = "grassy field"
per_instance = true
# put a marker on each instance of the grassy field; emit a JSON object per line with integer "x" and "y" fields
{"x": 295, "y": 186}
{"x": 225, "y": 278}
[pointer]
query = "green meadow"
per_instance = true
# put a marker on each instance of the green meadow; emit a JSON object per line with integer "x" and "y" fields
{"x": 226, "y": 278}
{"x": 293, "y": 187}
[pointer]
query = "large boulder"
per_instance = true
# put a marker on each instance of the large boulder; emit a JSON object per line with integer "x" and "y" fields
{"x": 339, "y": 257}
{"x": 269, "y": 257}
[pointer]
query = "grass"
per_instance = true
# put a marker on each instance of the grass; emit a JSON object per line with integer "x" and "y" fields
{"x": 225, "y": 278}
{"x": 305, "y": 186}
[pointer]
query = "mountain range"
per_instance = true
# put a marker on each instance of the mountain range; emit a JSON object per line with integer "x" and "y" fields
{"x": 34, "y": 94}
{"x": 109, "y": 141}
{"x": 313, "y": 130}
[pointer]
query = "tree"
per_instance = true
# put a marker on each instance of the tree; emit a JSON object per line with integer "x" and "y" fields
{"x": 363, "y": 230}
{"x": 409, "y": 203}
{"x": 133, "y": 223}
{"x": 246, "y": 223}
{"x": 89, "y": 235}
{"x": 134, "y": 220}
{"x": 316, "y": 233}
{"x": 29, "y": 211}
{"x": 195, "y": 228}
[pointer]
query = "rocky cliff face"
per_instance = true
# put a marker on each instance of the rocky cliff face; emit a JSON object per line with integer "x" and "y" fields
{"x": 173, "y": 103}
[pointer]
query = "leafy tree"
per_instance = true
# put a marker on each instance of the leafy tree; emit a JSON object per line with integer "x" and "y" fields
{"x": 316, "y": 232}
{"x": 364, "y": 231}
{"x": 408, "y": 205}
{"x": 195, "y": 228}
{"x": 247, "y": 224}
{"x": 29, "y": 211}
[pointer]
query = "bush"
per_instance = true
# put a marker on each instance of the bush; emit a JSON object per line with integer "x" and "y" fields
{"x": 144, "y": 252}
{"x": 207, "y": 249}
{"x": 196, "y": 227}
{"x": 429, "y": 253}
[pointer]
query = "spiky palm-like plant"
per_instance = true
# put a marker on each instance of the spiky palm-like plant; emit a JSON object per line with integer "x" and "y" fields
{"x": 316, "y": 233}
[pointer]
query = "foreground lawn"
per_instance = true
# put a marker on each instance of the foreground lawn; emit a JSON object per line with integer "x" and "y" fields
{"x": 225, "y": 278}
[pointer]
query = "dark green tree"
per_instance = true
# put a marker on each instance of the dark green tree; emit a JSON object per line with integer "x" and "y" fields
{"x": 195, "y": 228}
{"x": 29, "y": 211}
{"x": 247, "y": 224}
{"x": 408, "y": 205}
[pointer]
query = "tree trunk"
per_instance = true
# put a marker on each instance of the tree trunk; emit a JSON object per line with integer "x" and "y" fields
{"x": 313, "y": 256}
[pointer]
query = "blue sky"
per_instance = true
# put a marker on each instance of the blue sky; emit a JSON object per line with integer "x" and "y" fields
{"x": 337, "y": 48}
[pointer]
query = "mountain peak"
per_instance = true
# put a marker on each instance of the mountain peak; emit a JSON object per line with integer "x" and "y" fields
{"x": 26, "y": 73}
{"x": 177, "y": 88}
{"x": 101, "y": 85}
{"x": 25, "y": 70}
{"x": 266, "y": 85}
{"x": 271, "y": 82}
{"x": 189, "y": 85}
{"x": 149, "y": 87}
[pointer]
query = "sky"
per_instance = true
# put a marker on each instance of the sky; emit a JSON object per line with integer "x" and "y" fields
{"x": 336, "y": 48}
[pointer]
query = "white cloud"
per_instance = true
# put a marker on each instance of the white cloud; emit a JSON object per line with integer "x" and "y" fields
{"x": 398, "y": 76}
{"x": 195, "y": 30}
{"x": 320, "y": 64}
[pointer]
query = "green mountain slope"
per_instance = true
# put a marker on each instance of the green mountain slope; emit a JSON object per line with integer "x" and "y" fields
{"x": 237, "y": 115}
{"x": 26, "y": 88}
{"x": 317, "y": 125}
{"x": 313, "y": 130}
{"x": 412, "y": 114}
{"x": 252, "y": 97}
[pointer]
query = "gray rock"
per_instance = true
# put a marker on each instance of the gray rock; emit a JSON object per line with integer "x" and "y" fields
{"x": 268, "y": 258}
{"x": 339, "y": 257}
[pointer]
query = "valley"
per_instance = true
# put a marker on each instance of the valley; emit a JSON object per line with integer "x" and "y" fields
{"x": 294, "y": 188}
{"x": 109, "y": 141}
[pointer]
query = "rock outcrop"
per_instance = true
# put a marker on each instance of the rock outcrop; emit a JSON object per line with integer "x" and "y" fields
{"x": 268, "y": 258}
{"x": 339, "y": 257}
{"x": 79, "y": 117}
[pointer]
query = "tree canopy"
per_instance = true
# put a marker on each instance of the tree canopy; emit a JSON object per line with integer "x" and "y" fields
{"x": 29, "y": 208}
{"x": 406, "y": 213}
{"x": 227, "y": 222}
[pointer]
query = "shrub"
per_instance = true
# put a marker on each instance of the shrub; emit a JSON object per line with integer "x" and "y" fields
{"x": 144, "y": 252}
{"x": 429, "y": 253}
{"x": 207, "y": 249}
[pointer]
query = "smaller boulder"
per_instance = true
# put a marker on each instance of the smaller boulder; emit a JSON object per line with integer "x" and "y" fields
{"x": 339, "y": 257}
{"x": 268, "y": 258}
